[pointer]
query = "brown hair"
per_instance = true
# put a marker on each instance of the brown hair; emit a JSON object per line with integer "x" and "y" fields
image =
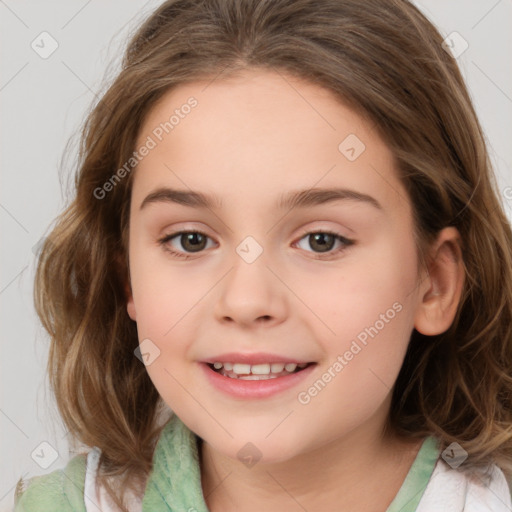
{"x": 384, "y": 59}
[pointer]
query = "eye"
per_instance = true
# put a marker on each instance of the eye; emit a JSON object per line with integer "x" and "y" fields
{"x": 192, "y": 241}
{"x": 324, "y": 241}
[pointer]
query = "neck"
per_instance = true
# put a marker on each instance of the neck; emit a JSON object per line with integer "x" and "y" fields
{"x": 361, "y": 471}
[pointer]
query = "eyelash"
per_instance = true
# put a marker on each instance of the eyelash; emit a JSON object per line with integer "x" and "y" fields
{"x": 346, "y": 241}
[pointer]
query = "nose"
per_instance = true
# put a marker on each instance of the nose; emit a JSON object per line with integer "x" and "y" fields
{"x": 251, "y": 295}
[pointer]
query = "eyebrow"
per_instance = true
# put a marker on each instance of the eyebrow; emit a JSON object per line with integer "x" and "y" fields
{"x": 294, "y": 199}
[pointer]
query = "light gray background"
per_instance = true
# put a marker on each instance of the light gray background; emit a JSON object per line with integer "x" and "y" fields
{"x": 43, "y": 102}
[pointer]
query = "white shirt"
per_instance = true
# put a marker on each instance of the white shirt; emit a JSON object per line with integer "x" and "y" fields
{"x": 449, "y": 490}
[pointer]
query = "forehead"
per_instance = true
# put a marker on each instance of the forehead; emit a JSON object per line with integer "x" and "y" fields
{"x": 258, "y": 134}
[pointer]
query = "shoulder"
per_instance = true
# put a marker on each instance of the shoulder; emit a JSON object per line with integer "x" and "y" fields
{"x": 451, "y": 489}
{"x": 490, "y": 490}
{"x": 62, "y": 490}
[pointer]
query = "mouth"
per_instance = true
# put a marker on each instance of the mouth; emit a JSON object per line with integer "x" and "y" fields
{"x": 255, "y": 376}
{"x": 261, "y": 371}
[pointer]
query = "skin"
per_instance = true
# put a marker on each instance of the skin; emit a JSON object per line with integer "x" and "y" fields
{"x": 250, "y": 139}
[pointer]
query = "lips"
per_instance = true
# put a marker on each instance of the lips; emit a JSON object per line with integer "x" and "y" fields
{"x": 238, "y": 367}
{"x": 250, "y": 376}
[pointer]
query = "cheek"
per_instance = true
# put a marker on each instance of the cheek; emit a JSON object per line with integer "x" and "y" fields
{"x": 164, "y": 298}
{"x": 365, "y": 358}
{"x": 164, "y": 294}
{"x": 374, "y": 290}
{"x": 361, "y": 366}
{"x": 370, "y": 313}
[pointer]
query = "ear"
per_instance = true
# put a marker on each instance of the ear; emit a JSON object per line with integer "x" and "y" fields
{"x": 442, "y": 288}
{"x": 124, "y": 276}
{"x": 130, "y": 305}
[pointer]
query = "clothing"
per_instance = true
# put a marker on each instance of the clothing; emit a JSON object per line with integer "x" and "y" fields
{"x": 174, "y": 484}
{"x": 98, "y": 499}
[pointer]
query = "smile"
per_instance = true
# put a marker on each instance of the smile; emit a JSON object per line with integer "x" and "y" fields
{"x": 255, "y": 376}
{"x": 262, "y": 371}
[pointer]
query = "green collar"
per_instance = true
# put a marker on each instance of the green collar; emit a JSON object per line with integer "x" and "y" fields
{"x": 175, "y": 481}
{"x": 409, "y": 495}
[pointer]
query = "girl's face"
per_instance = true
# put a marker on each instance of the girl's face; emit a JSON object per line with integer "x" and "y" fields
{"x": 305, "y": 256}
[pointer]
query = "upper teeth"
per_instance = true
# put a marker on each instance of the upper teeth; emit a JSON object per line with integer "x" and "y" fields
{"x": 258, "y": 369}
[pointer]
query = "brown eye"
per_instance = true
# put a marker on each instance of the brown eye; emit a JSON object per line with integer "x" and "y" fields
{"x": 323, "y": 242}
{"x": 192, "y": 241}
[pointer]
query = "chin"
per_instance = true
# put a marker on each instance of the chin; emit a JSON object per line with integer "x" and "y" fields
{"x": 252, "y": 446}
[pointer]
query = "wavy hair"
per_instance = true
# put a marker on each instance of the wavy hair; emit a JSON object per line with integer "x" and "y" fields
{"x": 384, "y": 59}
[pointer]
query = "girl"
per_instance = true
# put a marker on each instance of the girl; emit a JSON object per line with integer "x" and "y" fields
{"x": 285, "y": 282}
